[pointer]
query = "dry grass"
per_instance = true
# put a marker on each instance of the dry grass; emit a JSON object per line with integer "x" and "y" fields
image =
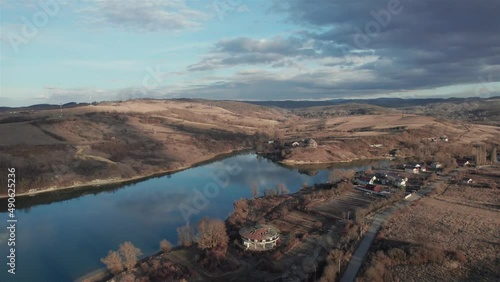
{"x": 471, "y": 233}
{"x": 143, "y": 137}
{"x": 119, "y": 141}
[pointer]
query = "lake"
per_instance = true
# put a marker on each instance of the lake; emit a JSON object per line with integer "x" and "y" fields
{"x": 61, "y": 236}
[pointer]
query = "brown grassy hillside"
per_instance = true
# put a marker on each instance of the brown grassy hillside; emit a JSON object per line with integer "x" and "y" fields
{"x": 117, "y": 141}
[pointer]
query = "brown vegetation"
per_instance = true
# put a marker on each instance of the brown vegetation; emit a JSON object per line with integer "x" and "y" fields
{"x": 129, "y": 254}
{"x": 112, "y": 142}
{"x": 165, "y": 246}
{"x": 124, "y": 259}
{"x": 391, "y": 257}
{"x": 186, "y": 235}
{"x": 212, "y": 234}
{"x": 113, "y": 262}
{"x": 453, "y": 236}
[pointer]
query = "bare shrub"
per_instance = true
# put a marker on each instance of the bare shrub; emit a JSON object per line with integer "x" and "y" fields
{"x": 460, "y": 256}
{"x": 240, "y": 213}
{"x": 113, "y": 262}
{"x": 216, "y": 260}
{"x": 281, "y": 189}
{"x": 185, "y": 235}
{"x": 329, "y": 274}
{"x": 127, "y": 278}
{"x": 270, "y": 192}
{"x": 333, "y": 261}
{"x": 337, "y": 175}
{"x": 255, "y": 189}
{"x": 318, "y": 224}
{"x": 212, "y": 234}
{"x": 165, "y": 246}
{"x": 156, "y": 270}
{"x": 129, "y": 254}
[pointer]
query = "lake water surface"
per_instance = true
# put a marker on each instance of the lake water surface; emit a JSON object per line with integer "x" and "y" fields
{"x": 61, "y": 240}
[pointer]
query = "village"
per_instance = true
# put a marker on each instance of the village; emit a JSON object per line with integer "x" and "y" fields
{"x": 408, "y": 177}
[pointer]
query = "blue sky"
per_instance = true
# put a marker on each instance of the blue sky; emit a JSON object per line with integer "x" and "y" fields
{"x": 88, "y": 50}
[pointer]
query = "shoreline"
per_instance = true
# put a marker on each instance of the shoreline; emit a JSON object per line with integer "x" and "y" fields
{"x": 124, "y": 181}
{"x": 109, "y": 182}
{"x": 299, "y": 163}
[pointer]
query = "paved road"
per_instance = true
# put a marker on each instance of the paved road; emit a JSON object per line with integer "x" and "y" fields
{"x": 357, "y": 259}
{"x": 364, "y": 246}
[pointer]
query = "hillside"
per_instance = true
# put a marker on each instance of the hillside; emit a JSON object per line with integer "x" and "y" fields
{"x": 113, "y": 142}
{"x": 479, "y": 111}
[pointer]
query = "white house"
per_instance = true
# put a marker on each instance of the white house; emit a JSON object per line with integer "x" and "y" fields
{"x": 467, "y": 181}
{"x": 397, "y": 180}
{"x": 363, "y": 180}
{"x": 436, "y": 165}
{"x": 413, "y": 168}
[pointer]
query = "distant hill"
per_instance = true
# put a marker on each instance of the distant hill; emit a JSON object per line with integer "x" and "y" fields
{"x": 343, "y": 110}
{"x": 382, "y": 102}
{"x": 40, "y": 107}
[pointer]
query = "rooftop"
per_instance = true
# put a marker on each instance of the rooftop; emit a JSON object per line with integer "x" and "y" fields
{"x": 259, "y": 232}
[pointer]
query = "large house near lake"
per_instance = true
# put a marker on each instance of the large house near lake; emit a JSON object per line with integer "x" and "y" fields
{"x": 363, "y": 180}
{"x": 260, "y": 237}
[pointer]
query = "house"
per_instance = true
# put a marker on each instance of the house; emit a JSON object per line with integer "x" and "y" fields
{"x": 397, "y": 180}
{"x": 444, "y": 138}
{"x": 464, "y": 162}
{"x": 295, "y": 144}
{"x": 374, "y": 188}
{"x": 381, "y": 178}
{"x": 259, "y": 237}
{"x": 413, "y": 168}
{"x": 467, "y": 181}
{"x": 363, "y": 180}
{"x": 436, "y": 165}
{"x": 310, "y": 143}
{"x": 393, "y": 152}
{"x": 376, "y": 146}
{"x": 270, "y": 142}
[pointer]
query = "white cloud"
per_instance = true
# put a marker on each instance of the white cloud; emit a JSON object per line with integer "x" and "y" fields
{"x": 144, "y": 15}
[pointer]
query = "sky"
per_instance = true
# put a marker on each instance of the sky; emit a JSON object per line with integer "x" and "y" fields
{"x": 60, "y": 51}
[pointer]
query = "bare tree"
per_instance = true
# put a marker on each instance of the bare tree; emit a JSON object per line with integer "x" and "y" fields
{"x": 113, "y": 262}
{"x": 281, "y": 189}
{"x": 446, "y": 159}
{"x": 185, "y": 235}
{"x": 270, "y": 192}
{"x": 165, "y": 246}
{"x": 129, "y": 254}
{"x": 212, "y": 234}
{"x": 255, "y": 189}
{"x": 480, "y": 156}
{"x": 337, "y": 175}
